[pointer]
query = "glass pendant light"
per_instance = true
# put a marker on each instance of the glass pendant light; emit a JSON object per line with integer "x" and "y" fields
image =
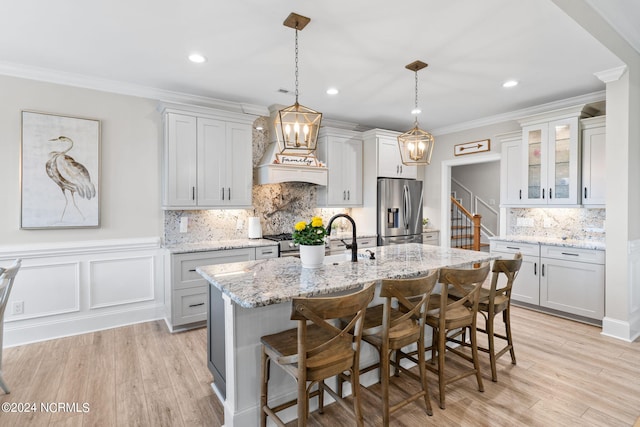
{"x": 416, "y": 145}
{"x": 297, "y": 126}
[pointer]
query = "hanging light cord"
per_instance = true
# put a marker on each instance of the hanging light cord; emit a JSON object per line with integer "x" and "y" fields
{"x": 297, "y": 64}
{"x": 416, "y": 108}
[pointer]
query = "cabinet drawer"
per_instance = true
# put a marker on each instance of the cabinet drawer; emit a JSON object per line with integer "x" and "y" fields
{"x": 367, "y": 242}
{"x": 267, "y": 252}
{"x": 190, "y": 305}
{"x": 513, "y": 247}
{"x": 184, "y": 265}
{"x": 572, "y": 254}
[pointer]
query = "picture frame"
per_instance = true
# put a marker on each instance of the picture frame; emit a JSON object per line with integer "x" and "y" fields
{"x": 297, "y": 159}
{"x": 59, "y": 171}
{"x": 472, "y": 147}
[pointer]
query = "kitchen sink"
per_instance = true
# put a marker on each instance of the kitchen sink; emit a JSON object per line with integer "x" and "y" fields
{"x": 343, "y": 257}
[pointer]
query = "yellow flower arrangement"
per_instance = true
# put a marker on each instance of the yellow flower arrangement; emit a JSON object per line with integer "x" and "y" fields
{"x": 311, "y": 233}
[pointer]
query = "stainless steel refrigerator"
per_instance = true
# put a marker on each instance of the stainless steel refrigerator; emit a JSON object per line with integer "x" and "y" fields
{"x": 399, "y": 211}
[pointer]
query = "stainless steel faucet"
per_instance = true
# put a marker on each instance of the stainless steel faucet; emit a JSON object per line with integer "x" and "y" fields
{"x": 354, "y": 244}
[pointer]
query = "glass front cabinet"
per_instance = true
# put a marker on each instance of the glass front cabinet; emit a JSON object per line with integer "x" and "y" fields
{"x": 551, "y": 162}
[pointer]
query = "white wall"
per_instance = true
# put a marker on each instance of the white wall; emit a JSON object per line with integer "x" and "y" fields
{"x": 130, "y": 177}
{"x": 443, "y": 151}
{"x": 78, "y": 280}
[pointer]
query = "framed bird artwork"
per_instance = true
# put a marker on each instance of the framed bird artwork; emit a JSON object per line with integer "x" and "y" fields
{"x": 59, "y": 171}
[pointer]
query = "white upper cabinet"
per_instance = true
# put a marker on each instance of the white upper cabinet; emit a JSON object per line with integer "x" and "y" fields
{"x": 510, "y": 169}
{"x": 551, "y": 158}
{"x": 207, "y": 161}
{"x": 341, "y": 150}
{"x": 594, "y": 161}
{"x": 389, "y": 161}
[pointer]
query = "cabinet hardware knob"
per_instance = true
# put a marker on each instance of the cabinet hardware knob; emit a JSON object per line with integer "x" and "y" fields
{"x": 585, "y": 192}
{"x": 229, "y": 194}
{"x": 542, "y": 270}
{"x": 550, "y": 193}
{"x": 222, "y": 193}
{"x": 543, "y": 193}
{"x": 348, "y": 194}
{"x": 193, "y": 270}
{"x": 513, "y": 247}
{"x": 193, "y": 193}
{"x": 196, "y": 305}
{"x": 344, "y": 195}
{"x": 569, "y": 253}
{"x": 520, "y": 194}
{"x": 535, "y": 268}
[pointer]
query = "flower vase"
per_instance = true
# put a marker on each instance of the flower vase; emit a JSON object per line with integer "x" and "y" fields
{"x": 312, "y": 256}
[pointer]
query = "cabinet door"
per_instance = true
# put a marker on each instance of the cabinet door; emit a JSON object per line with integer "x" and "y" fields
{"x": 352, "y": 171}
{"x": 180, "y": 161}
{"x": 534, "y": 159}
{"x": 336, "y": 189}
{"x": 389, "y": 160}
{"x": 573, "y": 287}
{"x": 511, "y": 173}
{"x": 594, "y": 166}
{"x": 239, "y": 164}
{"x": 562, "y": 178}
{"x": 526, "y": 287}
{"x": 212, "y": 166}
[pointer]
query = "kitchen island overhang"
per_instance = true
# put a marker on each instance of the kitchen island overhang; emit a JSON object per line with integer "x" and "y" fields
{"x": 254, "y": 299}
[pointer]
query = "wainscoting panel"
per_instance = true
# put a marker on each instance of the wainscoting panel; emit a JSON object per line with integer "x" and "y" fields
{"x": 45, "y": 290}
{"x": 79, "y": 287}
{"x": 121, "y": 281}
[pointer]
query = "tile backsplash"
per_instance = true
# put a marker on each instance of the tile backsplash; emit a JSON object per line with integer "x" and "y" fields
{"x": 572, "y": 223}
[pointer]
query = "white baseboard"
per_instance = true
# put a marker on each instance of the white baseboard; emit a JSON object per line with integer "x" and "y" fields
{"x": 76, "y": 325}
{"x": 623, "y": 330}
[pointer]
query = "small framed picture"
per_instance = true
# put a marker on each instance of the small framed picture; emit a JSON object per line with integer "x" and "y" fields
{"x": 59, "y": 171}
{"x": 472, "y": 147}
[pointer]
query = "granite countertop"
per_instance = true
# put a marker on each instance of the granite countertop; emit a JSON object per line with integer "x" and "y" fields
{"x": 216, "y": 245}
{"x": 276, "y": 280}
{"x": 554, "y": 241}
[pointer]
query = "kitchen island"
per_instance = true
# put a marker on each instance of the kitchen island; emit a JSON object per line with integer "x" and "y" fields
{"x": 254, "y": 299}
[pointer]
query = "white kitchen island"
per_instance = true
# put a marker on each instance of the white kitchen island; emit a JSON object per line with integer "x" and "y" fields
{"x": 255, "y": 296}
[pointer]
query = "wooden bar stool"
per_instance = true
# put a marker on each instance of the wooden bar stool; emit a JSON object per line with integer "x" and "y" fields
{"x": 446, "y": 315}
{"x": 492, "y": 301}
{"x": 390, "y": 329}
{"x": 317, "y": 350}
{"x": 7, "y": 277}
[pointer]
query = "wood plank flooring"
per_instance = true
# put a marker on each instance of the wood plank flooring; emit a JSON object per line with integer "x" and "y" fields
{"x": 141, "y": 375}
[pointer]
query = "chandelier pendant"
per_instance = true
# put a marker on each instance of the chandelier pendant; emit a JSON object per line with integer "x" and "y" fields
{"x": 416, "y": 145}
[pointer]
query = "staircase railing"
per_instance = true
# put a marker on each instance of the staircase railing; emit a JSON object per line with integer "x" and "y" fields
{"x": 465, "y": 227}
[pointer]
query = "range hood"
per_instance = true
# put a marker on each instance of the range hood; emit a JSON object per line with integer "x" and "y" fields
{"x": 276, "y": 168}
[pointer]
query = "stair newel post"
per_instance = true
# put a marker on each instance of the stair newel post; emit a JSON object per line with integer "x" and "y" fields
{"x": 476, "y": 231}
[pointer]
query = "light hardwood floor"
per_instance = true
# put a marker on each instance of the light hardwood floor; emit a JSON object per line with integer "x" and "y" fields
{"x": 141, "y": 375}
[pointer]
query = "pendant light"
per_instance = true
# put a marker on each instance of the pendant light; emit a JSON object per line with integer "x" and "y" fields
{"x": 416, "y": 145}
{"x": 297, "y": 126}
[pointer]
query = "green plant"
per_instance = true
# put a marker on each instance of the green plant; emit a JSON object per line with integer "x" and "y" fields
{"x": 311, "y": 233}
{"x": 425, "y": 221}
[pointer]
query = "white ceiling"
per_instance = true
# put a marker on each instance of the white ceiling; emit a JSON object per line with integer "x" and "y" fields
{"x": 358, "y": 46}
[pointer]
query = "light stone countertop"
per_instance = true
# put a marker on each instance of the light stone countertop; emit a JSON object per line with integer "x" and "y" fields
{"x": 216, "y": 245}
{"x": 276, "y": 280}
{"x": 554, "y": 241}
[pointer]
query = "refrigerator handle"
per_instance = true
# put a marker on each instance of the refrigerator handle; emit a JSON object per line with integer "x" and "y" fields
{"x": 407, "y": 206}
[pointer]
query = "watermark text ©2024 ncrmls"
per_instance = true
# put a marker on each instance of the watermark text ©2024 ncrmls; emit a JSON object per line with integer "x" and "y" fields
{"x": 50, "y": 407}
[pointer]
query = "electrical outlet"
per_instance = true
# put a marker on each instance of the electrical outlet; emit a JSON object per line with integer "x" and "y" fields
{"x": 239, "y": 224}
{"x": 17, "y": 307}
{"x": 184, "y": 224}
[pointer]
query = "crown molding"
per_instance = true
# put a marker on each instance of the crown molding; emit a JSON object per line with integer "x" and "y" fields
{"x": 113, "y": 86}
{"x": 518, "y": 114}
{"x": 612, "y": 74}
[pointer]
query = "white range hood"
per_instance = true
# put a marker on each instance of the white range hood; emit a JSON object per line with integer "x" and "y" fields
{"x": 272, "y": 171}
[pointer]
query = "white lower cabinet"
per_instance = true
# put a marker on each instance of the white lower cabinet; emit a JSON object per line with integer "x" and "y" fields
{"x": 431, "y": 238}
{"x": 188, "y": 291}
{"x": 526, "y": 288}
{"x": 564, "y": 279}
{"x": 572, "y": 281}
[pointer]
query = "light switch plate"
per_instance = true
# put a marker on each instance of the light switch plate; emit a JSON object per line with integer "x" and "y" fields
{"x": 184, "y": 224}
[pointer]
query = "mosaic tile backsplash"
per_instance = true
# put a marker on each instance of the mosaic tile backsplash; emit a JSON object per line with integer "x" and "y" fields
{"x": 279, "y": 207}
{"x": 572, "y": 223}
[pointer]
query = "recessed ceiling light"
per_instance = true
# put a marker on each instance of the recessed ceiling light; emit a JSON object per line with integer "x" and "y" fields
{"x": 259, "y": 128}
{"x": 197, "y": 58}
{"x": 510, "y": 83}
{"x": 416, "y": 111}
{"x": 332, "y": 91}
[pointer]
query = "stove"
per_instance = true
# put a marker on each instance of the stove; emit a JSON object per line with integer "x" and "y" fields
{"x": 285, "y": 243}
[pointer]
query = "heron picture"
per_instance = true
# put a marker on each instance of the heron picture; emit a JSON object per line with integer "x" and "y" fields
{"x": 59, "y": 171}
